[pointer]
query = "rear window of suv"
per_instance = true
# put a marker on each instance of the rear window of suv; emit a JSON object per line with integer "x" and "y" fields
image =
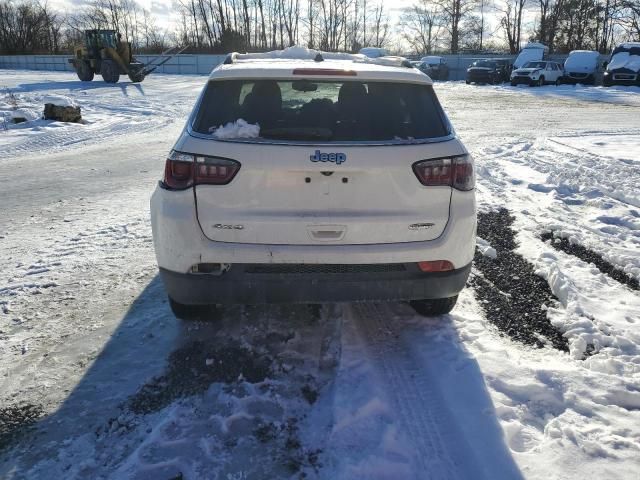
{"x": 333, "y": 111}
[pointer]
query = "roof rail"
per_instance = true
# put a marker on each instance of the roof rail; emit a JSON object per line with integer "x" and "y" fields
{"x": 302, "y": 53}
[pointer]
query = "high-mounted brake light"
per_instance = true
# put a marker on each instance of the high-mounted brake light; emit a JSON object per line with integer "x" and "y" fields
{"x": 184, "y": 170}
{"x": 325, "y": 71}
{"x": 456, "y": 172}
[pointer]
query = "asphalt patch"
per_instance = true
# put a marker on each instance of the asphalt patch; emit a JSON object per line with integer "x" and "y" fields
{"x": 16, "y": 420}
{"x": 589, "y": 256}
{"x": 193, "y": 368}
{"x": 512, "y": 296}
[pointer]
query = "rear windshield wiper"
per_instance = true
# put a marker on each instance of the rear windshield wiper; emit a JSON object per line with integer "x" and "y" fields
{"x": 297, "y": 133}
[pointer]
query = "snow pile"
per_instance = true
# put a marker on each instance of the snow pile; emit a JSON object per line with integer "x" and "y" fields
{"x": 238, "y": 129}
{"x": 485, "y": 248}
{"x": 24, "y": 114}
{"x": 300, "y": 53}
{"x": 59, "y": 100}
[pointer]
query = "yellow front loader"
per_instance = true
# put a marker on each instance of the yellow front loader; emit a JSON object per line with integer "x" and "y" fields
{"x": 105, "y": 52}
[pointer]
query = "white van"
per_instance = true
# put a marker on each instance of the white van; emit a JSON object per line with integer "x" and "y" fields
{"x": 581, "y": 67}
{"x": 531, "y": 52}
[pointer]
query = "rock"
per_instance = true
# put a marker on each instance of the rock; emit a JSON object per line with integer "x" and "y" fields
{"x": 62, "y": 113}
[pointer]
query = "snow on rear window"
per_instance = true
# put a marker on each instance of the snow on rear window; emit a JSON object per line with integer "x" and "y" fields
{"x": 311, "y": 110}
{"x": 237, "y": 129}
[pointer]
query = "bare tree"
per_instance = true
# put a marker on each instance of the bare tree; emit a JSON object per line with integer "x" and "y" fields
{"x": 511, "y": 22}
{"x": 453, "y": 14}
{"x": 420, "y": 25}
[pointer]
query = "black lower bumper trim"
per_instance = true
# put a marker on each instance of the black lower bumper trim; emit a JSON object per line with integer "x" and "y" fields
{"x": 238, "y": 286}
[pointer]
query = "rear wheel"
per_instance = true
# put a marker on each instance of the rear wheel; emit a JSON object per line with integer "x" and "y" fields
{"x": 513, "y": 84}
{"x": 84, "y": 71}
{"x": 558, "y": 82}
{"x": 192, "y": 312}
{"x": 109, "y": 71}
{"x": 433, "y": 308}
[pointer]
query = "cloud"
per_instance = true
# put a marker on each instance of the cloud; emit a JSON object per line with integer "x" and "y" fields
{"x": 160, "y": 8}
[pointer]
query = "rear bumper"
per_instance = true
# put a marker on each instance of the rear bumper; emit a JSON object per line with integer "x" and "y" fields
{"x": 246, "y": 284}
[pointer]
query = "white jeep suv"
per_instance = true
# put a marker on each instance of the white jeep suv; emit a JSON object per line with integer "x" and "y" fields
{"x": 306, "y": 176}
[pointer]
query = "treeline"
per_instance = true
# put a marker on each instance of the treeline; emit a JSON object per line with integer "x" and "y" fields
{"x": 481, "y": 25}
{"x": 33, "y": 26}
{"x": 426, "y": 26}
{"x": 252, "y": 25}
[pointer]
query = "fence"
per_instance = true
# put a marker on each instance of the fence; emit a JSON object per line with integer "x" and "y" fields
{"x": 180, "y": 64}
{"x": 203, "y": 64}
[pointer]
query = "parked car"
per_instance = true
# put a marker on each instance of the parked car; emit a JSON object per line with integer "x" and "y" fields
{"x": 505, "y": 66}
{"x": 531, "y": 52}
{"x": 624, "y": 66}
{"x": 423, "y": 67}
{"x": 280, "y": 189}
{"x": 484, "y": 71}
{"x": 373, "y": 52}
{"x": 438, "y": 67}
{"x": 581, "y": 67}
{"x": 536, "y": 74}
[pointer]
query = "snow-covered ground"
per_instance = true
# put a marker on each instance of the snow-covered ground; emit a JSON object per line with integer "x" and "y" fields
{"x": 114, "y": 387}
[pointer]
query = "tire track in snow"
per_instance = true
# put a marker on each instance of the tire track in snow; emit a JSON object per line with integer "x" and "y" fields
{"x": 424, "y": 418}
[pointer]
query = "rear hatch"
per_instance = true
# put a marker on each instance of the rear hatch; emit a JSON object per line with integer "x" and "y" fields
{"x": 323, "y": 163}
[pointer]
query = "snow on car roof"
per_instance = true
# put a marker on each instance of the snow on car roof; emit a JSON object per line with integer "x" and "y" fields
{"x": 305, "y": 62}
{"x": 592, "y": 53}
{"x": 630, "y": 45}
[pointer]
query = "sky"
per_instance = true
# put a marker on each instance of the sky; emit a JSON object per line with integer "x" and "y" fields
{"x": 166, "y": 16}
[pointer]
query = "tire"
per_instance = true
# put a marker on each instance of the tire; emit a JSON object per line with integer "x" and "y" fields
{"x": 109, "y": 71}
{"x": 136, "y": 76}
{"x": 541, "y": 82}
{"x": 192, "y": 312}
{"x": 467, "y": 82}
{"x": 84, "y": 71}
{"x": 513, "y": 84}
{"x": 433, "y": 308}
{"x": 558, "y": 82}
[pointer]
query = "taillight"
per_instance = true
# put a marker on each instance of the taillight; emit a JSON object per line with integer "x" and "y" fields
{"x": 456, "y": 172}
{"x": 184, "y": 170}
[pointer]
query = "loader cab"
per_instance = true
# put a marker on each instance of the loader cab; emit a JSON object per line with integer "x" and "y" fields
{"x": 97, "y": 39}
